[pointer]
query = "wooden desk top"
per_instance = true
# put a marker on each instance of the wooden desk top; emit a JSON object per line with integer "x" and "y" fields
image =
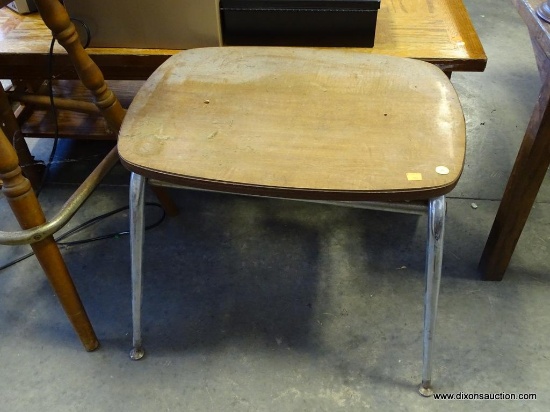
{"x": 308, "y": 144}
{"x": 438, "y": 31}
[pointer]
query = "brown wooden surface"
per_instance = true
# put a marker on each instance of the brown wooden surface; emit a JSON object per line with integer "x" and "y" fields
{"x": 538, "y": 28}
{"x": 73, "y": 124}
{"x": 32, "y": 169}
{"x": 28, "y": 212}
{"x": 531, "y": 163}
{"x": 56, "y": 19}
{"x": 17, "y": 188}
{"x": 438, "y": 31}
{"x": 297, "y": 122}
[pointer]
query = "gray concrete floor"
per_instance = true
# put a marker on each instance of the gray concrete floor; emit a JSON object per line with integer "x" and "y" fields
{"x": 267, "y": 305}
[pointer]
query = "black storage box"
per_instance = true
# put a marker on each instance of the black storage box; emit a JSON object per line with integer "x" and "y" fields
{"x": 344, "y": 23}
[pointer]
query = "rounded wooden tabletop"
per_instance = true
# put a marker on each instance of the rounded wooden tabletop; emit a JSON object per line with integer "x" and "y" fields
{"x": 298, "y": 122}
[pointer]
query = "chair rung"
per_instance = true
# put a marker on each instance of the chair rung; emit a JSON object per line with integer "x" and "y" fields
{"x": 71, "y": 124}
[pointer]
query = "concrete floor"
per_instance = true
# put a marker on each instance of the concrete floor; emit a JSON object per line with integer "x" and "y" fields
{"x": 267, "y": 305}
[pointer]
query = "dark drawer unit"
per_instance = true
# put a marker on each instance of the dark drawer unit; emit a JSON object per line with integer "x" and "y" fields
{"x": 341, "y": 23}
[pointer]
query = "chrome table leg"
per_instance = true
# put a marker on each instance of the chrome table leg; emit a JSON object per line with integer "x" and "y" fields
{"x": 137, "y": 189}
{"x": 434, "y": 257}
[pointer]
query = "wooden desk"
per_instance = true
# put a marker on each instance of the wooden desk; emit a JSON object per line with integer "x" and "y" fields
{"x": 438, "y": 31}
{"x": 531, "y": 163}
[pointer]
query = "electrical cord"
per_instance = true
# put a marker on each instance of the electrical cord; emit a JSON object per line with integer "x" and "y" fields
{"x": 52, "y": 103}
{"x": 98, "y": 218}
{"x": 89, "y": 223}
{"x": 55, "y": 122}
{"x": 86, "y": 29}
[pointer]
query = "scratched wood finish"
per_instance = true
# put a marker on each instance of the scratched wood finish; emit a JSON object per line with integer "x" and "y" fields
{"x": 28, "y": 212}
{"x": 438, "y": 31}
{"x": 531, "y": 163}
{"x": 297, "y": 122}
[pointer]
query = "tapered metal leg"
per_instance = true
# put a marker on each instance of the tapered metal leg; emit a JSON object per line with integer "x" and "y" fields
{"x": 137, "y": 188}
{"x": 434, "y": 258}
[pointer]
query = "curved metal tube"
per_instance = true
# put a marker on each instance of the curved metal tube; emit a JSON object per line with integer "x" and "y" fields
{"x": 67, "y": 211}
{"x": 412, "y": 207}
{"x": 543, "y": 11}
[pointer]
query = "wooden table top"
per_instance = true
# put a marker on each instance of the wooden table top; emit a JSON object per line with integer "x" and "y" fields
{"x": 196, "y": 122}
{"x": 438, "y": 31}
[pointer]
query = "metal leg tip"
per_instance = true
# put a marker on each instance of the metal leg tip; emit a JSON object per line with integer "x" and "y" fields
{"x": 137, "y": 353}
{"x": 426, "y": 390}
{"x": 543, "y": 11}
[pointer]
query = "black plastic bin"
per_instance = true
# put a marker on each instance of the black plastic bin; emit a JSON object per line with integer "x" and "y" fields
{"x": 342, "y": 23}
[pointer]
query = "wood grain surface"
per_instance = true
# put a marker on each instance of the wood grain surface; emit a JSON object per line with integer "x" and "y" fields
{"x": 438, "y": 31}
{"x": 306, "y": 122}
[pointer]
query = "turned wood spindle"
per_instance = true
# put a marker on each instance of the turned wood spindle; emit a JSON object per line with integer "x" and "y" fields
{"x": 56, "y": 18}
{"x": 29, "y": 214}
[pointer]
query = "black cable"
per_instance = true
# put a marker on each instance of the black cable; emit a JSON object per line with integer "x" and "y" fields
{"x": 88, "y": 223}
{"x": 52, "y": 103}
{"x": 56, "y": 124}
{"x": 86, "y": 29}
{"x": 96, "y": 219}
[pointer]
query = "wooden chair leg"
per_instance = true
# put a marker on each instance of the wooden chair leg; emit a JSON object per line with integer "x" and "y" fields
{"x": 521, "y": 191}
{"x": 165, "y": 201}
{"x": 33, "y": 170}
{"x": 29, "y": 214}
{"x": 48, "y": 254}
